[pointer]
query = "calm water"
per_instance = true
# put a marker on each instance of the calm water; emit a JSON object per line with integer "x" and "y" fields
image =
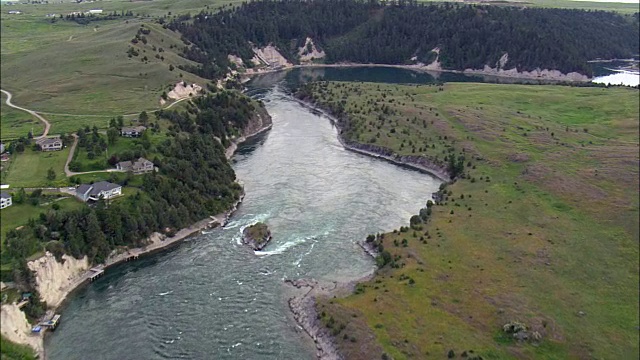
{"x": 212, "y": 298}
{"x": 609, "y": 72}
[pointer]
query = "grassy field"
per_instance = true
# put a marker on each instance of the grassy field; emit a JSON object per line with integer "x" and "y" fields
{"x": 543, "y": 229}
{"x": 625, "y": 8}
{"x": 29, "y": 169}
{"x": 19, "y": 214}
{"x": 88, "y": 71}
{"x": 15, "y": 123}
{"x": 13, "y": 351}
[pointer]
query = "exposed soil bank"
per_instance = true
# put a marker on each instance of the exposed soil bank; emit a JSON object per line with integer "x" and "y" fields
{"x": 56, "y": 281}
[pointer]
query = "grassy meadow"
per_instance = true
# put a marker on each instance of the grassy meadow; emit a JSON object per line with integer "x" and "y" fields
{"x": 15, "y": 123}
{"x": 29, "y": 169}
{"x": 19, "y": 214}
{"x": 88, "y": 71}
{"x": 624, "y": 8}
{"x": 543, "y": 229}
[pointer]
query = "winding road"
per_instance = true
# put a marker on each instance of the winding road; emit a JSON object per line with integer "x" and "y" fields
{"x": 47, "y": 125}
{"x": 72, "y": 151}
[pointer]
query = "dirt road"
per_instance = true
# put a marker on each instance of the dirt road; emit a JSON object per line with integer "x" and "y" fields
{"x": 47, "y": 126}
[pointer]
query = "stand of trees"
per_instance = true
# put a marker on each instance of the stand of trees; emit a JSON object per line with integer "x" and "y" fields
{"x": 468, "y": 36}
{"x": 195, "y": 180}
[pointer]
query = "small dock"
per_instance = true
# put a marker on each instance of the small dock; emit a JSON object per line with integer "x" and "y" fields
{"x": 95, "y": 273}
{"x": 50, "y": 324}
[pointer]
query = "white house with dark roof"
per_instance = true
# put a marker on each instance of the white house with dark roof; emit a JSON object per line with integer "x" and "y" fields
{"x": 139, "y": 166}
{"x": 50, "y": 144}
{"x": 5, "y": 200}
{"x": 135, "y": 131}
{"x": 97, "y": 191}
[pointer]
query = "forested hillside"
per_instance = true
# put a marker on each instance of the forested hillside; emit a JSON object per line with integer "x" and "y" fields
{"x": 194, "y": 181}
{"x": 468, "y": 36}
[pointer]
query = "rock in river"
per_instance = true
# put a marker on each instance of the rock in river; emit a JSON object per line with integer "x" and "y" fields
{"x": 257, "y": 236}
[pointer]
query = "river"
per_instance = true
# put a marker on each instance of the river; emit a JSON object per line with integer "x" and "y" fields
{"x": 212, "y": 298}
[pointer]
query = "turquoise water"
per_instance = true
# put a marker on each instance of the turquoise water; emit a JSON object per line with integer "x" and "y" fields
{"x": 212, "y": 298}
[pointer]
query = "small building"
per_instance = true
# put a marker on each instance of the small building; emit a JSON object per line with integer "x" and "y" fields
{"x": 97, "y": 191}
{"x": 15, "y": 12}
{"x": 1, "y": 148}
{"x": 135, "y": 131}
{"x": 50, "y": 144}
{"x": 95, "y": 11}
{"x": 5, "y": 198}
{"x": 139, "y": 166}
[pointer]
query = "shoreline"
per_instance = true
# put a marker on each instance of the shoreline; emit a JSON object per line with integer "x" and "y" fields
{"x": 396, "y": 159}
{"x": 158, "y": 242}
{"x": 426, "y": 69}
{"x": 303, "y": 309}
{"x": 303, "y": 305}
{"x": 148, "y": 250}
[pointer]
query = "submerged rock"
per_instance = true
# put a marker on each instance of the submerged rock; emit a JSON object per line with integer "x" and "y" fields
{"x": 257, "y": 236}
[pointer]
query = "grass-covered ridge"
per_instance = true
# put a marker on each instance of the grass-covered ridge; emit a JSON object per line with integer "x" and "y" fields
{"x": 542, "y": 227}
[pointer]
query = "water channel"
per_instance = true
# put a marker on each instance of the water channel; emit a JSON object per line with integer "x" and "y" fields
{"x": 212, "y": 298}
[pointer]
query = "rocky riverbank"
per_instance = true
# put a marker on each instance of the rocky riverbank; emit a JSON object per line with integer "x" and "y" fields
{"x": 303, "y": 308}
{"x": 423, "y": 164}
{"x": 55, "y": 280}
{"x": 258, "y": 124}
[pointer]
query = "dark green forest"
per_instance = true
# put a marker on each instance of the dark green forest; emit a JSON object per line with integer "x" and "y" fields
{"x": 468, "y": 36}
{"x": 194, "y": 181}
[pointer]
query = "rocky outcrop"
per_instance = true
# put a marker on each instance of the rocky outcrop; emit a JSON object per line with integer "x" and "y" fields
{"x": 369, "y": 247}
{"x": 259, "y": 123}
{"x": 310, "y": 52}
{"x": 537, "y": 74}
{"x": 183, "y": 90}
{"x": 257, "y": 236}
{"x": 271, "y": 57}
{"x": 15, "y": 327}
{"x": 53, "y": 279}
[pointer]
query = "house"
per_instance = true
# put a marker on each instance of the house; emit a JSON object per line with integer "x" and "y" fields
{"x": 95, "y": 11}
{"x": 139, "y": 166}
{"x": 97, "y": 191}
{"x": 50, "y": 144}
{"x": 135, "y": 131}
{"x": 5, "y": 198}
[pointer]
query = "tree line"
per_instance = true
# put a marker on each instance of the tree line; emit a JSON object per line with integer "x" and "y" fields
{"x": 468, "y": 36}
{"x": 194, "y": 181}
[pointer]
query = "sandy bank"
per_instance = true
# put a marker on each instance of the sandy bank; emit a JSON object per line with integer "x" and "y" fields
{"x": 54, "y": 279}
{"x": 16, "y": 328}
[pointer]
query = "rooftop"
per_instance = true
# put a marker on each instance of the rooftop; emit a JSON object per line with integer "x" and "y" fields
{"x": 5, "y": 195}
